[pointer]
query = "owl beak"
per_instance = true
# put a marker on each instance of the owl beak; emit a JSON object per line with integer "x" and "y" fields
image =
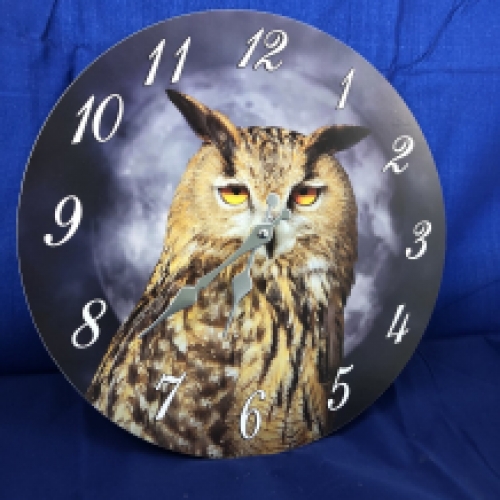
{"x": 271, "y": 246}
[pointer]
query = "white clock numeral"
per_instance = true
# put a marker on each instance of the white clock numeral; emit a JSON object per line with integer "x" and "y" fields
{"x": 346, "y": 83}
{"x": 345, "y": 388}
{"x": 252, "y": 42}
{"x": 245, "y": 415}
{"x": 156, "y": 56}
{"x": 276, "y": 44}
{"x": 85, "y": 113}
{"x": 403, "y": 330}
{"x": 421, "y": 230}
{"x": 73, "y": 222}
{"x": 91, "y": 322}
{"x": 168, "y": 379}
{"x": 403, "y": 145}
{"x": 181, "y": 54}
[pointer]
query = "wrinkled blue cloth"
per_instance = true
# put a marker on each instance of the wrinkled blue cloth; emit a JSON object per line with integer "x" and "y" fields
{"x": 435, "y": 433}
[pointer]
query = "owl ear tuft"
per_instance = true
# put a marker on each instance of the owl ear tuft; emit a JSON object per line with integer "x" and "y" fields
{"x": 332, "y": 139}
{"x": 211, "y": 126}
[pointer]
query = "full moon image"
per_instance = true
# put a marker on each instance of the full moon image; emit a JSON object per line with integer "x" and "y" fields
{"x": 148, "y": 166}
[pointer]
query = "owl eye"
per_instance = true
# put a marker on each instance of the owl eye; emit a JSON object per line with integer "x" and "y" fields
{"x": 305, "y": 195}
{"x": 234, "y": 195}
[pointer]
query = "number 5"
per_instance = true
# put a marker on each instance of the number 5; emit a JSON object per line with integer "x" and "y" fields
{"x": 344, "y": 386}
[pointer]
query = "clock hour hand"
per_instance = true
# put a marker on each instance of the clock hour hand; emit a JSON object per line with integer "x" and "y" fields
{"x": 188, "y": 295}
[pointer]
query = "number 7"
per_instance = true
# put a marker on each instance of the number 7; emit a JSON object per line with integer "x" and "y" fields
{"x": 168, "y": 379}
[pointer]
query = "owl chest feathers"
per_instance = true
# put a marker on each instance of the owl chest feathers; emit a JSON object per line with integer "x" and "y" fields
{"x": 275, "y": 344}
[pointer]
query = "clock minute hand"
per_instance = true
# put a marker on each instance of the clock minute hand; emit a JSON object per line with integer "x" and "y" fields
{"x": 242, "y": 284}
{"x": 188, "y": 295}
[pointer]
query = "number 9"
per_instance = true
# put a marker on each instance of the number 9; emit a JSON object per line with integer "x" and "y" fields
{"x": 73, "y": 222}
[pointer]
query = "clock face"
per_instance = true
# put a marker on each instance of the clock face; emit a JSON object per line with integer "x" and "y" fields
{"x": 231, "y": 234}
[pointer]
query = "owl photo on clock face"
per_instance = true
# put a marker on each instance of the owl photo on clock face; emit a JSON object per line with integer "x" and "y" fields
{"x": 283, "y": 345}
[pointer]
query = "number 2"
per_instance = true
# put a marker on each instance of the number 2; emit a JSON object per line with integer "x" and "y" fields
{"x": 403, "y": 145}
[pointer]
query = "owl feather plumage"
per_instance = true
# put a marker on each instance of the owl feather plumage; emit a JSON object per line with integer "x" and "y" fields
{"x": 286, "y": 336}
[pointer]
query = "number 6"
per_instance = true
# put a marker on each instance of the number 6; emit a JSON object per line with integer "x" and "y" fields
{"x": 245, "y": 414}
{"x": 344, "y": 386}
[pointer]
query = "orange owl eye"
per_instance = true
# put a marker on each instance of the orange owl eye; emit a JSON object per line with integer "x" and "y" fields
{"x": 234, "y": 195}
{"x": 305, "y": 195}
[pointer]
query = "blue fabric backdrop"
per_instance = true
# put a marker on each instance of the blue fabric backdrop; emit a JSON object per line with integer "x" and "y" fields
{"x": 434, "y": 434}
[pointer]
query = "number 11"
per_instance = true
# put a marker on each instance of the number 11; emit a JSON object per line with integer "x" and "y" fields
{"x": 156, "y": 55}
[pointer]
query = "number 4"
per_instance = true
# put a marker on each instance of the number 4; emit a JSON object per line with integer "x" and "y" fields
{"x": 403, "y": 330}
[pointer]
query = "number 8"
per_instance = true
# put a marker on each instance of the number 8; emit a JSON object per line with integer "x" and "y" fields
{"x": 90, "y": 322}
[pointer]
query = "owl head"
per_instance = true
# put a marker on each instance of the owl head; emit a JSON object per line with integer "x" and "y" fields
{"x": 223, "y": 192}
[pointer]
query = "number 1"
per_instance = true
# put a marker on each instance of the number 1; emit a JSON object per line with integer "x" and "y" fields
{"x": 181, "y": 54}
{"x": 346, "y": 83}
{"x": 155, "y": 56}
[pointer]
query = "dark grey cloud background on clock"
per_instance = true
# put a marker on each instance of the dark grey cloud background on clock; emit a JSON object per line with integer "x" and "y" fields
{"x": 126, "y": 184}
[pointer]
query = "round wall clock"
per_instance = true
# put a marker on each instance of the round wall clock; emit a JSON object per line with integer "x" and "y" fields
{"x": 231, "y": 234}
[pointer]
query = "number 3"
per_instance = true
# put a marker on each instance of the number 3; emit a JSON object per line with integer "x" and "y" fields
{"x": 421, "y": 230}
